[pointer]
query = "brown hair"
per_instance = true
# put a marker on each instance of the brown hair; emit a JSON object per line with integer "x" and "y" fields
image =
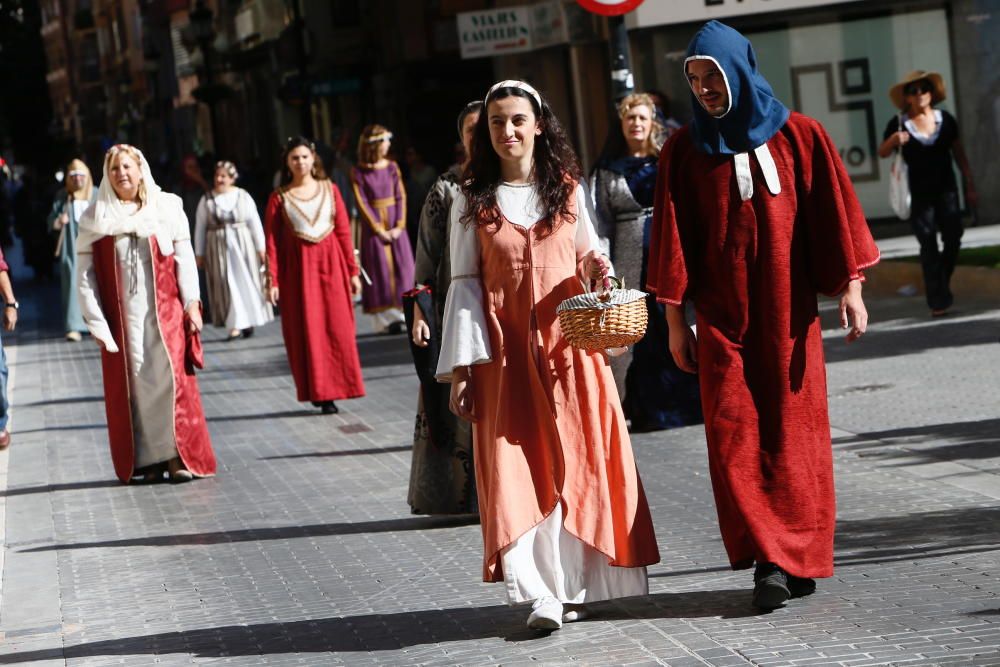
{"x": 557, "y": 169}
{"x": 294, "y": 142}
{"x": 371, "y": 138}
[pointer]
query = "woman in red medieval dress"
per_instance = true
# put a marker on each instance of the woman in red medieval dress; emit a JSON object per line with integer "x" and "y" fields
{"x": 564, "y": 517}
{"x": 139, "y": 296}
{"x": 310, "y": 258}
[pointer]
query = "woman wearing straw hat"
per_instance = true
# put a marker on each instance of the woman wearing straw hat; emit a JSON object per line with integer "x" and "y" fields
{"x": 929, "y": 139}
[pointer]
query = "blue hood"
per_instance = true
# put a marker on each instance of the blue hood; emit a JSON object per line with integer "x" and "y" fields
{"x": 755, "y": 114}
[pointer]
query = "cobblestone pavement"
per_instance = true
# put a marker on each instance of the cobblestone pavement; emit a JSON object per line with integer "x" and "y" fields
{"x": 303, "y": 551}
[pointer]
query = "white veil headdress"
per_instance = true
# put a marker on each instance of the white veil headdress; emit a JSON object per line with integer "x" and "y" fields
{"x": 109, "y": 217}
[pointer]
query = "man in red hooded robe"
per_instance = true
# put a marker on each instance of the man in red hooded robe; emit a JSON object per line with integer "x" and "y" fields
{"x": 755, "y": 215}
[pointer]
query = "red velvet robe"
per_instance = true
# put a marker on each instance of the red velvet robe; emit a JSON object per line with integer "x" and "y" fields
{"x": 317, "y": 309}
{"x": 753, "y": 269}
{"x": 190, "y": 429}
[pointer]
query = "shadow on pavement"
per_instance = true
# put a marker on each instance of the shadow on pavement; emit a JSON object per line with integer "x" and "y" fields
{"x": 68, "y": 486}
{"x": 62, "y": 401}
{"x": 881, "y": 343}
{"x": 266, "y": 415}
{"x": 279, "y": 533}
{"x": 380, "y": 350}
{"x": 917, "y": 536}
{"x": 223, "y": 346}
{"x": 957, "y": 440}
{"x": 388, "y": 632}
{"x": 68, "y": 427}
{"x": 985, "y": 612}
{"x": 263, "y": 369}
{"x": 684, "y": 573}
{"x": 346, "y": 452}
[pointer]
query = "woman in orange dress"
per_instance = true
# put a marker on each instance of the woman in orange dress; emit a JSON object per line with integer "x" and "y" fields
{"x": 564, "y": 517}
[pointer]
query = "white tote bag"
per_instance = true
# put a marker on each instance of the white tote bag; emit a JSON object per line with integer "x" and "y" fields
{"x": 899, "y": 183}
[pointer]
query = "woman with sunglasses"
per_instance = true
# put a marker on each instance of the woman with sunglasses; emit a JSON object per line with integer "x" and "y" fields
{"x": 929, "y": 140}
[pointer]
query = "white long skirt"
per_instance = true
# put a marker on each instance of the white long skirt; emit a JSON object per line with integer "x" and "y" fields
{"x": 548, "y": 561}
{"x": 247, "y": 307}
{"x": 151, "y": 379}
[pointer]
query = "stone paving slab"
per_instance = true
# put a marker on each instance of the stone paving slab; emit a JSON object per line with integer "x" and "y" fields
{"x": 302, "y": 550}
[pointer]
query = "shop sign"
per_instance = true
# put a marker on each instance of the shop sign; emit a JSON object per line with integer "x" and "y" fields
{"x": 494, "y": 32}
{"x": 497, "y": 32}
{"x": 609, "y": 7}
{"x": 687, "y": 11}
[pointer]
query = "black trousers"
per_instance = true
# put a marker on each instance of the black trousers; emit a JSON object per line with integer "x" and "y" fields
{"x": 928, "y": 217}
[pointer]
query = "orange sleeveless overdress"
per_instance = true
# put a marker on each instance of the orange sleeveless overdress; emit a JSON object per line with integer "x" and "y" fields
{"x": 550, "y": 426}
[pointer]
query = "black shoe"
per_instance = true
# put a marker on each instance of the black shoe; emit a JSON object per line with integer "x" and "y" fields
{"x": 248, "y": 332}
{"x": 397, "y": 328}
{"x": 329, "y": 408}
{"x": 770, "y": 589}
{"x": 799, "y": 587}
{"x": 316, "y": 404}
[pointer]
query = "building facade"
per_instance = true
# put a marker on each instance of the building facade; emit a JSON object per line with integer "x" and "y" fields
{"x": 150, "y": 72}
{"x": 836, "y": 61}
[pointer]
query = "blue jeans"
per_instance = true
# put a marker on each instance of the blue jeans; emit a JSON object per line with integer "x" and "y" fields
{"x": 4, "y": 404}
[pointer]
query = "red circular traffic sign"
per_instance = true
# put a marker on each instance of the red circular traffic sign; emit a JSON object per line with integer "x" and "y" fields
{"x": 609, "y": 7}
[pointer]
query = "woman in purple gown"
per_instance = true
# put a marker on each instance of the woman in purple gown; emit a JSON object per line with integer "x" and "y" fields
{"x": 386, "y": 254}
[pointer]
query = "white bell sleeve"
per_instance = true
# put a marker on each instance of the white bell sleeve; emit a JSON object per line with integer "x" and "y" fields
{"x": 90, "y": 304}
{"x": 187, "y": 269}
{"x": 248, "y": 212}
{"x": 187, "y": 273}
{"x": 465, "y": 338}
{"x": 586, "y": 231}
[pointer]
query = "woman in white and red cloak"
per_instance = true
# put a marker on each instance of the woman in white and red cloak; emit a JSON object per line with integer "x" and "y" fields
{"x": 139, "y": 295}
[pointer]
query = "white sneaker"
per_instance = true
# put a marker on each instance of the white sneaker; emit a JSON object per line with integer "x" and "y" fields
{"x": 546, "y": 614}
{"x": 575, "y": 612}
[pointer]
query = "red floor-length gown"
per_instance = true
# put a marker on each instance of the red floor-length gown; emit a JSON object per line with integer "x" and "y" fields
{"x": 317, "y": 309}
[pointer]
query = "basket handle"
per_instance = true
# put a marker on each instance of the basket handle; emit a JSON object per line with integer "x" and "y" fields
{"x": 608, "y": 284}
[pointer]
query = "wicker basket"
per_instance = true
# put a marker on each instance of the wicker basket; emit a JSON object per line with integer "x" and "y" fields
{"x": 604, "y": 320}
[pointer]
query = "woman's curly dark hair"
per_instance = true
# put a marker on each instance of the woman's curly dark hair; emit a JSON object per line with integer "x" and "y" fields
{"x": 556, "y": 167}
